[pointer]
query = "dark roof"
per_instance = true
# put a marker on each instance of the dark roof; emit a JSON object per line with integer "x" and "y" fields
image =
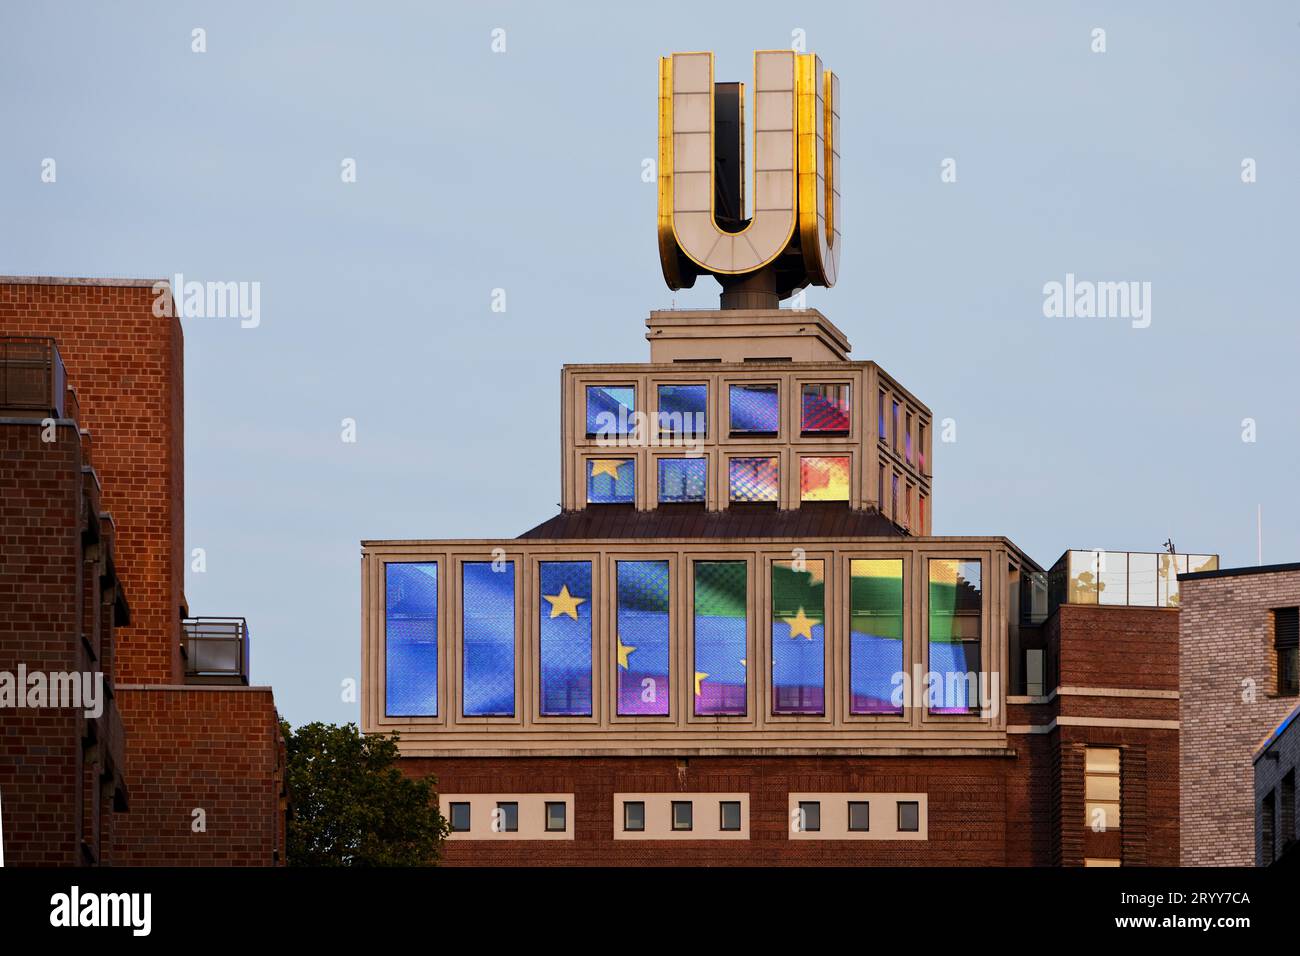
{"x": 692, "y": 521}
{"x": 1238, "y": 572}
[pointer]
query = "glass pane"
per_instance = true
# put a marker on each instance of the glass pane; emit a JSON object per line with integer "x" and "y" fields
{"x": 1101, "y": 760}
{"x": 798, "y": 636}
{"x": 488, "y": 606}
{"x": 1168, "y": 568}
{"x": 683, "y": 410}
{"x": 1202, "y": 562}
{"x": 634, "y": 815}
{"x": 1112, "y": 576}
{"x": 1083, "y": 577}
{"x": 1101, "y": 815}
{"x": 682, "y": 816}
{"x": 955, "y": 618}
{"x": 1102, "y": 787}
{"x": 876, "y": 635}
{"x": 909, "y": 817}
{"x": 564, "y": 638}
{"x": 825, "y": 409}
{"x": 555, "y": 816}
{"x": 823, "y": 479}
{"x": 682, "y": 479}
{"x": 754, "y": 479}
{"x": 642, "y": 639}
{"x": 1142, "y": 579}
{"x": 730, "y": 815}
{"x": 611, "y": 481}
{"x": 610, "y": 410}
{"x": 721, "y": 627}
{"x": 460, "y": 817}
{"x": 859, "y": 816}
{"x": 755, "y": 409}
{"x": 411, "y": 639}
{"x": 883, "y": 427}
{"x": 507, "y": 817}
{"x": 810, "y": 816}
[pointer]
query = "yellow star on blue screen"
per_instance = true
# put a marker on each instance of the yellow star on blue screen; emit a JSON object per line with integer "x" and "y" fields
{"x": 699, "y": 679}
{"x": 800, "y": 625}
{"x": 623, "y": 653}
{"x": 606, "y": 466}
{"x": 564, "y": 603}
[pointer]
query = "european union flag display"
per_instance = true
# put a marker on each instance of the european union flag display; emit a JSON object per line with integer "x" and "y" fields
{"x": 876, "y": 635}
{"x": 642, "y": 638}
{"x": 799, "y": 637}
{"x": 609, "y": 410}
{"x": 955, "y": 615}
{"x": 411, "y": 639}
{"x": 754, "y": 479}
{"x": 755, "y": 409}
{"x": 565, "y": 638}
{"x": 825, "y": 409}
{"x": 611, "y": 481}
{"x": 683, "y": 410}
{"x": 682, "y": 479}
{"x": 720, "y": 637}
{"x": 488, "y": 608}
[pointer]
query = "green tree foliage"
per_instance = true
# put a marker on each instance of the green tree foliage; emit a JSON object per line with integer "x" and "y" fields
{"x": 349, "y": 805}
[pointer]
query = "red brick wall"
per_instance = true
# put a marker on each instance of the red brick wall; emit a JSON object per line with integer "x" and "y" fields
{"x": 126, "y": 365}
{"x": 210, "y": 748}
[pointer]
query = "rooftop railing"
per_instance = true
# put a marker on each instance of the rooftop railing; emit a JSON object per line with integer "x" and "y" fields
{"x": 32, "y": 376}
{"x": 215, "y": 650}
{"x": 1123, "y": 578}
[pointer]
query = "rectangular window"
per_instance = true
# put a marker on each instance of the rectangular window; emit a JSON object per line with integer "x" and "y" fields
{"x": 895, "y": 422}
{"x": 610, "y": 411}
{"x": 908, "y": 494}
{"x": 460, "y": 818}
{"x": 1101, "y": 788}
{"x": 875, "y": 634}
{"x": 683, "y": 815}
{"x": 1286, "y": 641}
{"x": 683, "y": 410}
{"x": 411, "y": 639}
{"x": 859, "y": 816}
{"x": 798, "y": 636}
{"x": 956, "y": 609}
{"x": 810, "y": 816}
{"x": 721, "y": 631}
{"x": 488, "y": 638}
{"x": 920, "y": 516}
{"x": 682, "y": 480}
{"x": 824, "y": 479}
{"x": 883, "y": 428}
{"x": 894, "y": 513}
{"x": 825, "y": 410}
{"x": 611, "y": 481}
{"x": 1288, "y": 809}
{"x": 907, "y": 436}
{"x": 564, "y": 638}
{"x": 642, "y": 638}
{"x": 507, "y": 818}
{"x": 556, "y": 817}
{"x": 922, "y": 436}
{"x": 755, "y": 410}
{"x": 754, "y": 479}
{"x": 634, "y": 816}
{"x": 729, "y": 816}
{"x": 1268, "y": 827}
{"x": 909, "y": 816}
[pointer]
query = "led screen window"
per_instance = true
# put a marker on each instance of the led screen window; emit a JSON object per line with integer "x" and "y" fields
{"x": 611, "y": 481}
{"x": 753, "y": 479}
{"x": 824, "y": 479}
{"x": 642, "y": 638}
{"x": 610, "y": 411}
{"x": 955, "y": 615}
{"x": 875, "y": 635}
{"x": 755, "y": 410}
{"x": 488, "y": 638}
{"x": 411, "y": 639}
{"x": 825, "y": 410}
{"x": 721, "y": 657}
{"x": 683, "y": 410}
{"x": 564, "y": 638}
{"x": 682, "y": 480}
{"x": 798, "y": 636}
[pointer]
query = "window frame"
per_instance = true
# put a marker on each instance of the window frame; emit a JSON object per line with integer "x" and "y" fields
{"x": 564, "y": 816}
{"x": 452, "y": 808}
{"x": 633, "y": 803}
{"x": 865, "y": 805}
{"x": 916, "y": 807}
{"x": 816, "y": 806}
{"x": 722, "y": 816}
{"x": 509, "y": 808}
{"x": 690, "y": 812}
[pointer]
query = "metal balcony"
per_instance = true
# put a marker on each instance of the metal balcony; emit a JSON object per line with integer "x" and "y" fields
{"x": 33, "y": 381}
{"x": 215, "y": 650}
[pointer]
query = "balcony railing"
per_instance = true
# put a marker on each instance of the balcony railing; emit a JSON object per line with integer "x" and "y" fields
{"x": 215, "y": 650}
{"x": 32, "y": 376}
{"x": 1123, "y": 578}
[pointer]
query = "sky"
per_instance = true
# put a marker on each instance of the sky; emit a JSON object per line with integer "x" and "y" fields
{"x": 521, "y": 170}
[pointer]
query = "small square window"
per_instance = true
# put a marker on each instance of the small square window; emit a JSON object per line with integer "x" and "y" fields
{"x": 683, "y": 815}
{"x": 557, "y": 817}
{"x": 460, "y": 818}
{"x": 859, "y": 816}
{"x": 730, "y": 811}
{"x": 507, "y": 818}
{"x": 823, "y": 478}
{"x": 682, "y": 480}
{"x": 755, "y": 410}
{"x": 633, "y": 816}
{"x": 909, "y": 816}
{"x": 610, "y": 411}
{"x": 683, "y": 410}
{"x": 810, "y": 816}
{"x": 825, "y": 410}
{"x": 611, "y": 481}
{"x": 754, "y": 479}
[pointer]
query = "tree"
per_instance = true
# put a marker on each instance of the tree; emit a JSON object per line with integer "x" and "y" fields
{"x": 349, "y": 805}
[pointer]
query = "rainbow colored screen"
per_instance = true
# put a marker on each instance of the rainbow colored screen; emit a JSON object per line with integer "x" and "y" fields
{"x": 682, "y": 479}
{"x": 642, "y": 638}
{"x": 609, "y": 410}
{"x": 875, "y": 635}
{"x": 488, "y": 606}
{"x": 823, "y": 479}
{"x": 720, "y": 636}
{"x": 411, "y": 639}
{"x": 755, "y": 409}
{"x": 564, "y": 638}
{"x": 955, "y": 615}
{"x": 825, "y": 409}
{"x": 611, "y": 481}
{"x": 753, "y": 479}
{"x": 798, "y": 637}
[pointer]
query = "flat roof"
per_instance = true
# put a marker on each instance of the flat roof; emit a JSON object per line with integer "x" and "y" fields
{"x": 80, "y": 280}
{"x": 1240, "y": 572}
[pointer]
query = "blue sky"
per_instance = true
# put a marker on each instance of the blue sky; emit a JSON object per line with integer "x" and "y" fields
{"x": 522, "y": 170}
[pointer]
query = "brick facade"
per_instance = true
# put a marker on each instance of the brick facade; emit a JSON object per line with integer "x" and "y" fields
{"x": 1277, "y": 765}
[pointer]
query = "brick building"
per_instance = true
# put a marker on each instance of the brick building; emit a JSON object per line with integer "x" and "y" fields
{"x": 1238, "y": 682}
{"x": 186, "y": 764}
